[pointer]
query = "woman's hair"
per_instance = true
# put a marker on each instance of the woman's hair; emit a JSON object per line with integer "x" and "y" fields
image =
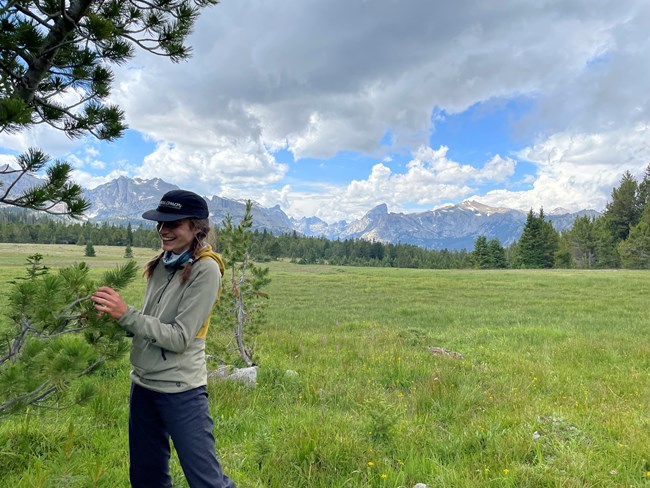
{"x": 201, "y": 227}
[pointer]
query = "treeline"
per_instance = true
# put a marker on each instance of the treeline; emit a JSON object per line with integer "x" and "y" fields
{"x": 353, "y": 252}
{"x": 620, "y": 237}
{"x": 21, "y": 226}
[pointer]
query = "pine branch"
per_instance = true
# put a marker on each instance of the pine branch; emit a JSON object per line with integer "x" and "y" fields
{"x": 18, "y": 342}
{"x": 30, "y": 14}
{"x": 39, "y": 394}
{"x": 7, "y": 407}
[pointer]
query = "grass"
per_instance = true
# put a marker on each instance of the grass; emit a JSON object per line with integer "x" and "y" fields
{"x": 552, "y": 391}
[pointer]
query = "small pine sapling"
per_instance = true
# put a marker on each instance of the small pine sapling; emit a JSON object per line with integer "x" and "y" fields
{"x": 56, "y": 334}
{"x": 243, "y": 299}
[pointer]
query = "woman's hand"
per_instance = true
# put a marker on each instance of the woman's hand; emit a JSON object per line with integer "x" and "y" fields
{"x": 109, "y": 301}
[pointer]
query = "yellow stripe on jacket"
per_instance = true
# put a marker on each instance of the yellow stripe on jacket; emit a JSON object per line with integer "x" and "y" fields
{"x": 207, "y": 252}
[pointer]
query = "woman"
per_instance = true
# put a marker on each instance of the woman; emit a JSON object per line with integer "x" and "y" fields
{"x": 168, "y": 381}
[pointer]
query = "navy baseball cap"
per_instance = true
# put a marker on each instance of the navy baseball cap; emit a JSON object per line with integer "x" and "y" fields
{"x": 178, "y": 205}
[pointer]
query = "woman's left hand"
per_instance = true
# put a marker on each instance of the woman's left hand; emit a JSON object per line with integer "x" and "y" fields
{"x": 109, "y": 301}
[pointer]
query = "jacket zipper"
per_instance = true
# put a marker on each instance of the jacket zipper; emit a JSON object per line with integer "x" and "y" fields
{"x": 169, "y": 280}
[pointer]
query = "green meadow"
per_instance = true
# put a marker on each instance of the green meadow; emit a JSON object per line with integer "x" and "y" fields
{"x": 552, "y": 390}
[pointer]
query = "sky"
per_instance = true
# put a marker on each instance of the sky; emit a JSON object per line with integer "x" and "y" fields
{"x": 328, "y": 108}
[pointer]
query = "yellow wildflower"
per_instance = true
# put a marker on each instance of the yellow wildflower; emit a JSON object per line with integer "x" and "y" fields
{"x": 384, "y": 476}
{"x": 506, "y": 471}
{"x": 370, "y": 463}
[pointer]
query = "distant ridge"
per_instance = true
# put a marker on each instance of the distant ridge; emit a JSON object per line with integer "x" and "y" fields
{"x": 452, "y": 227}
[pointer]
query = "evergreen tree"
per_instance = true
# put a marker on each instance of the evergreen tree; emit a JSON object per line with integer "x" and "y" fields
{"x": 624, "y": 211}
{"x": 538, "y": 243}
{"x": 56, "y": 58}
{"x": 480, "y": 256}
{"x": 550, "y": 241}
{"x": 644, "y": 188}
{"x": 90, "y": 250}
{"x": 635, "y": 250}
{"x": 582, "y": 242}
{"x": 606, "y": 246}
{"x": 129, "y": 235}
{"x": 128, "y": 252}
{"x": 563, "y": 255}
{"x": 529, "y": 245}
{"x": 497, "y": 254}
{"x": 49, "y": 196}
{"x": 243, "y": 299}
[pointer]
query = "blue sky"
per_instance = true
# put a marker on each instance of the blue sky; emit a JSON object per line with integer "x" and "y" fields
{"x": 329, "y": 108}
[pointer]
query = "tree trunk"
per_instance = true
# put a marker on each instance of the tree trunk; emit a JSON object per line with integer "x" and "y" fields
{"x": 40, "y": 65}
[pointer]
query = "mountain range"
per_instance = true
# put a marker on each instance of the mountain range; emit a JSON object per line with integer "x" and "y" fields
{"x": 452, "y": 227}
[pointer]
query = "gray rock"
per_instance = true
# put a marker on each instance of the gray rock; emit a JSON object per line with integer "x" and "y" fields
{"x": 248, "y": 376}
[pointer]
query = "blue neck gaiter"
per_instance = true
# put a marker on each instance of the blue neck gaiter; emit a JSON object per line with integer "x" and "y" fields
{"x": 174, "y": 261}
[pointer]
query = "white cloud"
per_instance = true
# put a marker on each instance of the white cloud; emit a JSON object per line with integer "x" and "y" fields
{"x": 214, "y": 168}
{"x": 577, "y": 171}
{"x": 431, "y": 178}
{"x": 51, "y": 141}
{"x": 337, "y": 75}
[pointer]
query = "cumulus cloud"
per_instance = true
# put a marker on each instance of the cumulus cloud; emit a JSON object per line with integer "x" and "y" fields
{"x": 431, "y": 179}
{"x": 44, "y": 137}
{"x": 578, "y": 171}
{"x": 336, "y": 75}
{"x": 214, "y": 168}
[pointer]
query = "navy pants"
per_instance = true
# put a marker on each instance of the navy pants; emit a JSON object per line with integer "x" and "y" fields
{"x": 185, "y": 417}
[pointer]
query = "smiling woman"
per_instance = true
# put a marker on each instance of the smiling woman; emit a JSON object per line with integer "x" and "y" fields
{"x": 169, "y": 376}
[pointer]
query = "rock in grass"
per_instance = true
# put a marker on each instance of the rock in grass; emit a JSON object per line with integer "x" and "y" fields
{"x": 248, "y": 376}
{"x": 440, "y": 351}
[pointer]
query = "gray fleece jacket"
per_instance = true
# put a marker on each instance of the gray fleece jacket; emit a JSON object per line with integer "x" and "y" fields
{"x": 168, "y": 351}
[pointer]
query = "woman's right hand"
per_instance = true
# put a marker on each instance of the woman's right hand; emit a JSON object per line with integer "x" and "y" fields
{"x": 109, "y": 301}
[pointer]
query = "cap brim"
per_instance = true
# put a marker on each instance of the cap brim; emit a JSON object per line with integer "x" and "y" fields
{"x": 164, "y": 216}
